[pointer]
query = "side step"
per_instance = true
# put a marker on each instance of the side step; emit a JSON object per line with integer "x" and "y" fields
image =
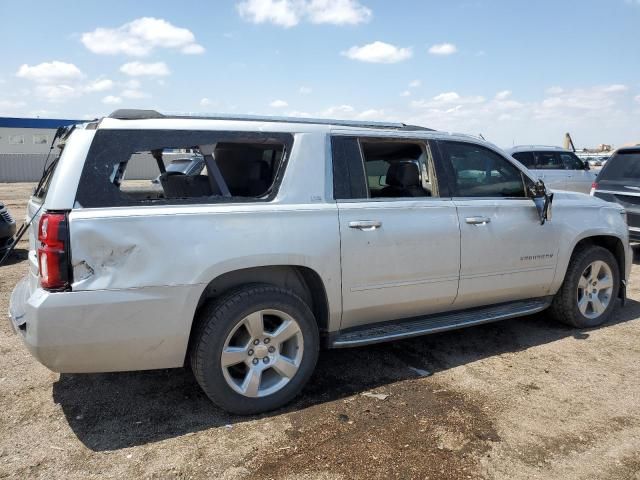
{"x": 413, "y": 327}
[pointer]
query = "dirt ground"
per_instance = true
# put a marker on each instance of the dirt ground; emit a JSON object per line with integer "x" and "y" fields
{"x": 520, "y": 399}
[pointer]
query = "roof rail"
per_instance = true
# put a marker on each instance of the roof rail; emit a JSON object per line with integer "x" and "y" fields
{"x": 134, "y": 114}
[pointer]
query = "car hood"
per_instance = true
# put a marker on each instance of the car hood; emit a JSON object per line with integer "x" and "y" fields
{"x": 562, "y": 196}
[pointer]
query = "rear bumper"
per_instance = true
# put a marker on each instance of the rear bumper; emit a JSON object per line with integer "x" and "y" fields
{"x": 105, "y": 330}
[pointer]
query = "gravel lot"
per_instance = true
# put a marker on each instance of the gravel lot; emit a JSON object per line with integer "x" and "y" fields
{"x": 524, "y": 398}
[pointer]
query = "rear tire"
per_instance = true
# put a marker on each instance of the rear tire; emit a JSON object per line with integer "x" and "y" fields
{"x": 255, "y": 348}
{"x": 588, "y": 295}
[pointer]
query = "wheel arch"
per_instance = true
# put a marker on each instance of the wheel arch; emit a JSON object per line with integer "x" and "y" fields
{"x": 610, "y": 242}
{"x": 302, "y": 280}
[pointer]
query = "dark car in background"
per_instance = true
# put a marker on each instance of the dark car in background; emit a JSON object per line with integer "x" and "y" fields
{"x": 619, "y": 181}
{"x": 7, "y": 228}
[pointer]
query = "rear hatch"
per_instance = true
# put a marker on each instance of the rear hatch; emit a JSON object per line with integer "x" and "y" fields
{"x": 619, "y": 181}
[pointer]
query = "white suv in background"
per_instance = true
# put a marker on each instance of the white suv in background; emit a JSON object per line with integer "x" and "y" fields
{"x": 560, "y": 169}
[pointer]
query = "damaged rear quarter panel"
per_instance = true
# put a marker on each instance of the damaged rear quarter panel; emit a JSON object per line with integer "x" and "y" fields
{"x": 136, "y": 247}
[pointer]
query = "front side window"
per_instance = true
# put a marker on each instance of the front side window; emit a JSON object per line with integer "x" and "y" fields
{"x": 480, "y": 172}
{"x": 571, "y": 161}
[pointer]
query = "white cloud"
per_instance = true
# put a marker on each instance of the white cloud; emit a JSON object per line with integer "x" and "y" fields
{"x": 443, "y": 49}
{"x": 415, "y": 83}
{"x": 193, "y": 49}
{"x": 371, "y": 114}
{"x": 50, "y": 72}
{"x": 132, "y": 93}
{"x": 406, "y": 93}
{"x": 297, "y": 113}
{"x": 637, "y": 98}
{"x": 595, "y": 114}
{"x": 137, "y": 69}
{"x": 378, "y": 52}
{"x": 289, "y": 13}
{"x": 11, "y": 107}
{"x": 338, "y": 12}
{"x": 278, "y": 104}
{"x": 56, "y": 93}
{"x": 111, "y": 100}
{"x": 99, "y": 85}
{"x": 305, "y": 90}
{"x": 338, "y": 111}
{"x": 140, "y": 37}
{"x": 132, "y": 83}
{"x": 284, "y": 13}
{"x": 615, "y": 88}
{"x": 206, "y": 102}
{"x": 561, "y": 101}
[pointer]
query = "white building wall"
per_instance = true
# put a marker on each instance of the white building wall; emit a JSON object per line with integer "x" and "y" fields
{"x": 25, "y": 140}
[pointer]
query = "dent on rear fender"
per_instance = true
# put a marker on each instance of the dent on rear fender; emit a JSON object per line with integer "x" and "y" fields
{"x": 102, "y": 258}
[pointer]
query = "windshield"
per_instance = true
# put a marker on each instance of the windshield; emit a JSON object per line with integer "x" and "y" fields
{"x": 623, "y": 166}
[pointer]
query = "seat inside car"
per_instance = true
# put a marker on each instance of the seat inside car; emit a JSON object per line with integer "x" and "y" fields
{"x": 403, "y": 180}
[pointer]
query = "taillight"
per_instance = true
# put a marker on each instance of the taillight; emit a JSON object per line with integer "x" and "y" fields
{"x": 53, "y": 253}
{"x": 594, "y": 187}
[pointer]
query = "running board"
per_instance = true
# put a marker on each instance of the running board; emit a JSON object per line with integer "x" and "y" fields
{"x": 413, "y": 327}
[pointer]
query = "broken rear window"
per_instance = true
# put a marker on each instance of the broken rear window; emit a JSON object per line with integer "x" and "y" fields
{"x": 137, "y": 167}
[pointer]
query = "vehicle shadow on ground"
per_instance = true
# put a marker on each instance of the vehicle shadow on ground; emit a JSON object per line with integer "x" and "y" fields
{"x": 120, "y": 410}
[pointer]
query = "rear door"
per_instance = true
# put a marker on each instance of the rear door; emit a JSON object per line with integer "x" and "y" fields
{"x": 579, "y": 178}
{"x": 400, "y": 239}
{"x": 505, "y": 253}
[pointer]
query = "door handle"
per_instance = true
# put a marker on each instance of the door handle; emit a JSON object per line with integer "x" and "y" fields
{"x": 365, "y": 225}
{"x": 477, "y": 220}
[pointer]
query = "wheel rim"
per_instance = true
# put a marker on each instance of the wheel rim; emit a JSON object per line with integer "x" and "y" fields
{"x": 262, "y": 353}
{"x": 594, "y": 289}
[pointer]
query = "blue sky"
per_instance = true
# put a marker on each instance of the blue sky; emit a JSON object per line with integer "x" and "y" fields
{"x": 515, "y": 71}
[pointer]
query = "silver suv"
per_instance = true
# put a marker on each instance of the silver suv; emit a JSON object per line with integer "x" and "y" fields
{"x": 560, "y": 169}
{"x": 298, "y": 234}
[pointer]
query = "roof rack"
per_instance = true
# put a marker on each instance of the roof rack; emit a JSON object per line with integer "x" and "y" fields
{"x": 134, "y": 114}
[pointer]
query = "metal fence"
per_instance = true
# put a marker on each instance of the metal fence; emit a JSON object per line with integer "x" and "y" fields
{"x": 25, "y": 167}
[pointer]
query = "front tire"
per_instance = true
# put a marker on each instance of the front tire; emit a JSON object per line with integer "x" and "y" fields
{"x": 255, "y": 348}
{"x": 587, "y": 297}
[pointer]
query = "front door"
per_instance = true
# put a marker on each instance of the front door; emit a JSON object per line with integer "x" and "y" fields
{"x": 400, "y": 242}
{"x": 505, "y": 253}
{"x": 578, "y": 178}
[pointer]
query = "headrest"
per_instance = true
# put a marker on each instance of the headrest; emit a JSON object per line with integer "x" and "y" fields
{"x": 403, "y": 174}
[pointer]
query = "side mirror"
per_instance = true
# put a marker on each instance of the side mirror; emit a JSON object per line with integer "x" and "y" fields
{"x": 586, "y": 166}
{"x": 542, "y": 200}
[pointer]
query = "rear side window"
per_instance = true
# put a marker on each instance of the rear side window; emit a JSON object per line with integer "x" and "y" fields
{"x": 480, "y": 172}
{"x": 549, "y": 161}
{"x": 525, "y": 158}
{"x": 623, "y": 166}
{"x": 368, "y": 167}
{"x": 134, "y": 167}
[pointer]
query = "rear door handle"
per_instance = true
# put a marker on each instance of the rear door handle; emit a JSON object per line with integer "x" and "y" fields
{"x": 365, "y": 225}
{"x": 477, "y": 220}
